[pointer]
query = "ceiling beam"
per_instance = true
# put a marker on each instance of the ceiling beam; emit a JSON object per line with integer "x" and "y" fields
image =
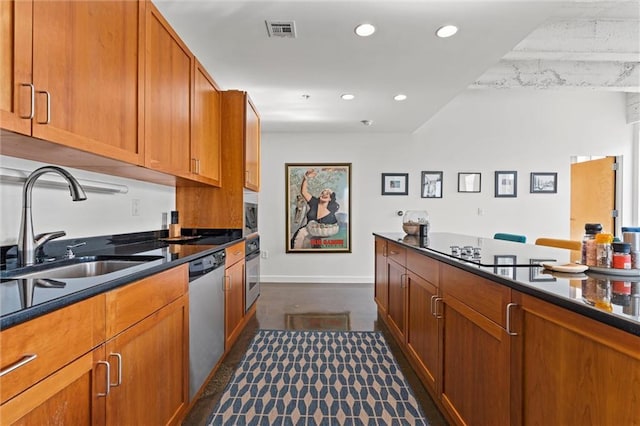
{"x": 548, "y": 74}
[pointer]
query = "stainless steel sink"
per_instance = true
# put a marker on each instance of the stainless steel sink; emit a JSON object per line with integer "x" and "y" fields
{"x": 82, "y": 267}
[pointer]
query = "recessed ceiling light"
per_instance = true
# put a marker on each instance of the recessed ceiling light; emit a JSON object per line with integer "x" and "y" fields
{"x": 446, "y": 31}
{"x": 400, "y": 97}
{"x": 347, "y": 97}
{"x": 367, "y": 122}
{"x": 365, "y": 30}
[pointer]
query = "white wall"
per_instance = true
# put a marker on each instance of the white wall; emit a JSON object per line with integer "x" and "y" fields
{"x": 100, "y": 214}
{"x": 479, "y": 131}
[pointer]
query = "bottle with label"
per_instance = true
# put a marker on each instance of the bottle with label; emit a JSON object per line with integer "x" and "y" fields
{"x": 621, "y": 256}
{"x": 589, "y": 253}
{"x": 603, "y": 250}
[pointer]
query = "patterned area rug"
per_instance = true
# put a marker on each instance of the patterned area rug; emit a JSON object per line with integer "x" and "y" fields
{"x": 317, "y": 378}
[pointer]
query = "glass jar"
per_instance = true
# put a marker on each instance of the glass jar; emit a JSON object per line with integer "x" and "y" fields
{"x": 603, "y": 250}
{"x": 412, "y": 220}
{"x": 589, "y": 243}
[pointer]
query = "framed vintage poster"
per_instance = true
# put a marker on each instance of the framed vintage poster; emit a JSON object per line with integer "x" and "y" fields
{"x": 542, "y": 183}
{"x": 318, "y": 207}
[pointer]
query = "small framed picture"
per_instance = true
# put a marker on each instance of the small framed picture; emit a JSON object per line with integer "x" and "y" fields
{"x": 431, "y": 185}
{"x": 502, "y": 265}
{"x": 506, "y": 184}
{"x": 544, "y": 183}
{"x": 469, "y": 182}
{"x": 536, "y": 273}
{"x": 395, "y": 184}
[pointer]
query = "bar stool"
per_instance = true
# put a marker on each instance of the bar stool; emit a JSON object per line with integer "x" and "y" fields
{"x": 510, "y": 237}
{"x": 559, "y": 243}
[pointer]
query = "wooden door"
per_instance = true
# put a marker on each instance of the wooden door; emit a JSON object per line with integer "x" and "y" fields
{"x": 68, "y": 397}
{"x": 397, "y": 299}
{"x": 234, "y": 303}
{"x": 593, "y": 188}
{"x": 85, "y": 71}
{"x": 167, "y": 118}
{"x": 206, "y": 143}
{"x": 252, "y": 147}
{"x": 381, "y": 290}
{"x": 154, "y": 360}
{"x": 475, "y": 367}
{"x": 575, "y": 371}
{"x": 16, "y": 78}
{"x": 422, "y": 327}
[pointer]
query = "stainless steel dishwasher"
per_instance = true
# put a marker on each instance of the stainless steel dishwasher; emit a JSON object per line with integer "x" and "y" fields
{"x": 206, "y": 317}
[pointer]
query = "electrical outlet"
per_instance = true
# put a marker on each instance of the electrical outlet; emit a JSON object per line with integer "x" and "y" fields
{"x": 264, "y": 254}
{"x": 135, "y": 207}
{"x": 480, "y": 211}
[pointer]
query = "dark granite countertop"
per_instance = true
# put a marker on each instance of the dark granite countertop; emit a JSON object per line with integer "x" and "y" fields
{"x": 611, "y": 299}
{"x": 21, "y": 300}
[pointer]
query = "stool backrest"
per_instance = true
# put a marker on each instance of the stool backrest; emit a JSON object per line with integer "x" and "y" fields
{"x": 510, "y": 237}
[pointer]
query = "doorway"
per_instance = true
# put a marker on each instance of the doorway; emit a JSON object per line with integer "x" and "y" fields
{"x": 593, "y": 195}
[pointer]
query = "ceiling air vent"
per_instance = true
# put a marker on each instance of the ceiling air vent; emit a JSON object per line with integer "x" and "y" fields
{"x": 285, "y": 29}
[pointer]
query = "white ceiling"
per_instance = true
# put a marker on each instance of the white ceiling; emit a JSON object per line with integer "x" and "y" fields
{"x": 500, "y": 44}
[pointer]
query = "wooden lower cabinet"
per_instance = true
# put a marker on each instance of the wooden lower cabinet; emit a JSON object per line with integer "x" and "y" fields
{"x": 67, "y": 397}
{"x": 574, "y": 370}
{"x": 423, "y": 328}
{"x": 381, "y": 290}
{"x": 152, "y": 359}
{"x": 233, "y": 302}
{"x": 475, "y": 365}
{"x": 397, "y": 300}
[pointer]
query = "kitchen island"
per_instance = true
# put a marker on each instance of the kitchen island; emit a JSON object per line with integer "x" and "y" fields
{"x": 497, "y": 340}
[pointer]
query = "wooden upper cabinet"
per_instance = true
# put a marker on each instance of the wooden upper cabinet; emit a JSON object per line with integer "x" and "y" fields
{"x": 168, "y": 97}
{"x": 252, "y": 147}
{"x": 16, "y": 78}
{"x": 206, "y": 139}
{"x": 70, "y": 74}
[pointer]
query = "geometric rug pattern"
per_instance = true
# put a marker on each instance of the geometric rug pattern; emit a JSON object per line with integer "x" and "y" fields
{"x": 317, "y": 378}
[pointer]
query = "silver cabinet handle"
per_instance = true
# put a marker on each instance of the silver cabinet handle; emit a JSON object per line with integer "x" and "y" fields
{"x": 433, "y": 312}
{"x": 24, "y": 360}
{"x": 33, "y": 100}
{"x": 119, "y": 380}
{"x": 435, "y": 304}
{"x": 508, "y": 322}
{"x": 48, "y": 95}
{"x": 108, "y": 384}
{"x": 198, "y": 166}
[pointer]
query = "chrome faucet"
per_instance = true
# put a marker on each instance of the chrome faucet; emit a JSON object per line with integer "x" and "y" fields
{"x": 28, "y": 244}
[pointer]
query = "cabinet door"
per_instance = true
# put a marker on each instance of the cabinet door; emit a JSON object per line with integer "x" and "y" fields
{"x": 397, "y": 299}
{"x": 67, "y": 397}
{"x": 167, "y": 118}
{"x": 475, "y": 365}
{"x": 252, "y": 147}
{"x": 152, "y": 357}
{"x": 423, "y": 327}
{"x": 85, "y": 71}
{"x": 575, "y": 371}
{"x": 206, "y": 142}
{"x": 234, "y": 302}
{"x": 382, "y": 284}
{"x": 16, "y": 106}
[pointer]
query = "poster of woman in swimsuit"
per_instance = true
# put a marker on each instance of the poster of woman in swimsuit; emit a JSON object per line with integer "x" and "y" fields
{"x": 318, "y": 208}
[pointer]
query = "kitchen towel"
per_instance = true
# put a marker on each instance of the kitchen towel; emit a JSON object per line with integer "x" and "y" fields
{"x": 317, "y": 378}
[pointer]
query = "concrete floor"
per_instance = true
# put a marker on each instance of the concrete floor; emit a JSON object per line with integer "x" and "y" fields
{"x": 275, "y": 301}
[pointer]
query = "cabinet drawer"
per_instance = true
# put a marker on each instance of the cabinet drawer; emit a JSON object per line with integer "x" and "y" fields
{"x": 129, "y": 304}
{"x": 55, "y": 339}
{"x": 484, "y": 296}
{"x": 234, "y": 253}
{"x": 424, "y": 266}
{"x": 397, "y": 253}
